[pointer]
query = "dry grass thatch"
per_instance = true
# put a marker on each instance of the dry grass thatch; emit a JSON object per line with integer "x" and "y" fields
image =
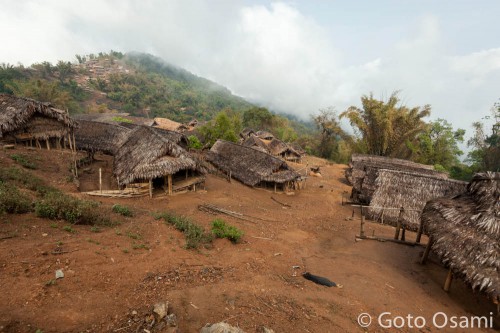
{"x": 169, "y": 125}
{"x": 395, "y": 189}
{"x": 279, "y": 148}
{"x": 246, "y": 133}
{"x": 149, "y": 153}
{"x": 466, "y": 232}
{"x": 94, "y": 136}
{"x": 248, "y": 165}
{"x": 363, "y": 171}
{"x": 115, "y": 118}
{"x": 265, "y": 135}
{"x": 24, "y": 118}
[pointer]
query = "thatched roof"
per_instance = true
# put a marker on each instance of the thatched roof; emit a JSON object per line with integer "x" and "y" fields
{"x": 395, "y": 189}
{"x": 466, "y": 232}
{"x": 363, "y": 171}
{"x": 279, "y": 148}
{"x": 25, "y": 117}
{"x": 97, "y": 136}
{"x": 151, "y": 153}
{"x": 168, "y": 124}
{"x": 248, "y": 165}
{"x": 246, "y": 133}
{"x": 255, "y": 143}
{"x": 264, "y": 135}
{"x": 115, "y": 118}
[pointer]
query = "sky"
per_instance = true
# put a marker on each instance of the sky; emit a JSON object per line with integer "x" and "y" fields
{"x": 296, "y": 56}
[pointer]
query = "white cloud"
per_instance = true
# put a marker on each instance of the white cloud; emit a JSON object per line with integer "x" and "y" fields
{"x": 271, "y": 54}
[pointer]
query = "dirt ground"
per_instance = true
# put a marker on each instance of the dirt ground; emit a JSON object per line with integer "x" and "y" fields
{"x": 116, "y": 274}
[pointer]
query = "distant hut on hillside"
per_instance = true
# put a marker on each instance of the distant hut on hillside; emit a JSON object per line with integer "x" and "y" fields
{"x": 265, "y": 135}
{"x": 169, "y": 125}
{"x": 396, "y": 189}
{"x": 102, "y": 137}
{"x": 24, "y": 120}
{"x": 155, "y": 156}
{"x": 464, "y": 232}
{"x": 246, "y": 133}
{"x": 256, "y": 143}
{"x": 364, "y": 169}
{"x": 252, "y": 167}
{"x": 279, "y": 148}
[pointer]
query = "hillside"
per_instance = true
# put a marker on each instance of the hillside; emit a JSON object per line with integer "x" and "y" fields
{"x": 136, "y": 83}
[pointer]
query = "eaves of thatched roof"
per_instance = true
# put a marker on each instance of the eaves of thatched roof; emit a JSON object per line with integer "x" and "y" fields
{"x": 115, "y": 118}
{"x": 150, "y": 153}
{"x": 466, "y": 232}
{"x": 94, "y": 136}
{"x": 248, "y": 165}
{"x": 396, "y": 189}
{"x": 264, "y": 135}
{"x": 363, "y": 171}
{"x": 278, "y": 147}
{"x": 246, "y": 133}
{"x": 169, "y": 124}
{"x": 18, "y": 114}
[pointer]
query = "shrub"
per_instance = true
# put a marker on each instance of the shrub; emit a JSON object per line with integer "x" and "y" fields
{"x": 122, "y": 210}
{"x": 222, "y": 230}
{"x": 195, "y": 234}
{"x": 24, "y": 161}
{"x": 194, "y": 142}
{"x": 13, "y": 201}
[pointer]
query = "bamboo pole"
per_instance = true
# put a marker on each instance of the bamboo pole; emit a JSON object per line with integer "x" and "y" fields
{"x": 170, "y": 184}
{"x": 427, "y": 250}
{"x": 274, "y": 187}
{"x": 447, "y": 283}
{"x": 150, "y": 187}
{"x": 420, "y": 231}
{"x": 165, "y": 184}
{"x": 74, "y": 141}
{"x": 362, "y": 226}
{"x": 47, "y": 143}
{"x": 70, "y": 143}
{"x": 398, "y": 226}
{"x": 100, "y": 180}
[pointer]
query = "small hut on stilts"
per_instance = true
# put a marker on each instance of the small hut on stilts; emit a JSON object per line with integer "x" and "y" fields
{"x": 36, "y": 124}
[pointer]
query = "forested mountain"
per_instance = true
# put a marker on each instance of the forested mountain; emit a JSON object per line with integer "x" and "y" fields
{"x": 136, "y": 83}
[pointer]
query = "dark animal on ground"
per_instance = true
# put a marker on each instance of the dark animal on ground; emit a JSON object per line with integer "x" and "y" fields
{"x": 319, "y": 280}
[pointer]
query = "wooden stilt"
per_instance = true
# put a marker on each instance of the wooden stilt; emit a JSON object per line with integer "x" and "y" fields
{"x": 150, "y": 187}
{"x": 169, "y": 184}
{"x": 403, "y": 234}
{"x": 74, "y": 141}
{"x": 70, "y": 143}
{"x": 100, "y": 180}
{"x": 398, "y": 225}
{"x": 427, "y": 250}
{"x": 48, "y": 144}
{"x": 362, "y": 225}
{"x": 274, "y": 187}
{"x": 165, "y": 184}
{"x": 447, "y": 283}
{"x": 420, "y": 230}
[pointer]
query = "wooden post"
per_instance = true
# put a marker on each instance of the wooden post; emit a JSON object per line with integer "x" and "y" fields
{"x": 427, "y": 250}
{"x": 100, "y": 180}
{"x": 447, "y": 283}
{"x": 165, "y": 184}
{"x": 76, "y": 169}
{"x": 48, "y": 144}
{"x": 70, "y": 143}
{"x": 420, "y": 230}
{"x": 170, "y": 184}
{"x": 150, "y": 187}
{"x": 274, "y": 187}
{"x": 74, "y": 141}
{"x": 403, "y": 234}
{"x": 398, "y": 225}
{"x": 362, "y": 226}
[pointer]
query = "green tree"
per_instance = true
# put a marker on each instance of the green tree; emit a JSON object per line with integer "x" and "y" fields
{"x": 438, "y": 145}
{"x": 258, "y": 118}
{"x": 486, "y": 146}
{"x": 386, "y": 128}
{"x": 223, "y": 127}
{"x": 331, "y": 143}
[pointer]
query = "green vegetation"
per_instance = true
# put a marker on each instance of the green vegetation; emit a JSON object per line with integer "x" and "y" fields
{"x": 222, "y": 230}
{"x": 24, "y": 161}
{"x": 133, "y": 235}
{"x": 13, "y": 201}
{"x": 121, "y": 120}
{"x": 195, "y": 234}
{"x": 122, "y": 210}
{"x": 69, "y": 229}
{"x": 194, "y": 142}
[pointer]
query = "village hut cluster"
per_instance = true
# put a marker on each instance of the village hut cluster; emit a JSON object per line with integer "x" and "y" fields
{"x": 461, "y": 219}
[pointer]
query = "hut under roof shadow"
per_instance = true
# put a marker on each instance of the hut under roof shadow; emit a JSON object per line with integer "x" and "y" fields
{"x": 24, "y": 120}
{"x": 252, "y": 167}
{"x": 153, "y": 155}
{"x": 464, "y": 232}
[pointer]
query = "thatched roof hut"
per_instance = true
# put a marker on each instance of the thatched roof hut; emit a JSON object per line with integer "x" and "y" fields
{"x": 250, "y": 166}
{"x": 150, "y": 153}
{"x": 396, "y": 189}
{"x": 255, "y": 143}
{"x": 115, "y": 118}
{"x": 169, "y": 125}
{"x": 246, "y": 133}
{"x": 24, "y": 119}
{"x": 279, "y": 148}
{"x": 465, "y": 232}
{"x": 265, "y": 135}
{"x": 363, "y": 171}
{"x": 102, "y": 137}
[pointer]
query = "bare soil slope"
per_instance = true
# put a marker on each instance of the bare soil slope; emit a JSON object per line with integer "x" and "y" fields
{"x": 117, "y": 273}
